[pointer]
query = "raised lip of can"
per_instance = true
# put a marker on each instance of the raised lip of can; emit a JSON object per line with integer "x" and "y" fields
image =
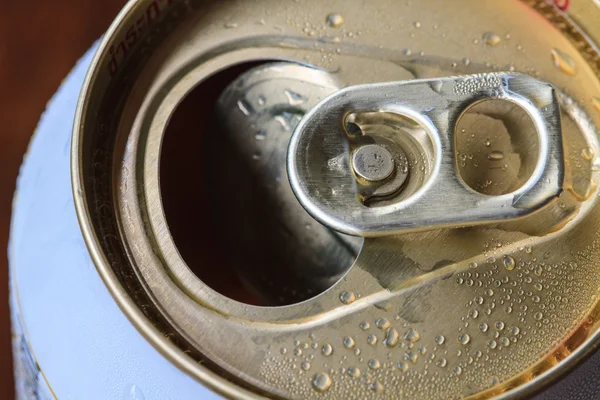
{"x": 126, "y": 304}
{"x": 203, "y": 374}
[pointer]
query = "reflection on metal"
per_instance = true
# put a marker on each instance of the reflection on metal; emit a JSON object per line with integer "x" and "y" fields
{"x": 432, "y": 109}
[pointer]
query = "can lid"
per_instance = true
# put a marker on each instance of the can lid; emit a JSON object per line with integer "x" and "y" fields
{"x": 488, "y": 309}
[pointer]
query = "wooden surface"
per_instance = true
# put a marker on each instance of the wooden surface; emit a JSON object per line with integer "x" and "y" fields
{"x": 40, "y": 41}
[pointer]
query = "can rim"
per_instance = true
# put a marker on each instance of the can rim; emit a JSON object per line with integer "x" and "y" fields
{"x": 200, "y": 373}
{"x": 170, "y": 351}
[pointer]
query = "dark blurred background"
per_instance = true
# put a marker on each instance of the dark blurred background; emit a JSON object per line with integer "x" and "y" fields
{"x": 40, "y": 41}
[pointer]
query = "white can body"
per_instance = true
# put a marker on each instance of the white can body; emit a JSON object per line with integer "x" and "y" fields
{"x": 70, "y": 339}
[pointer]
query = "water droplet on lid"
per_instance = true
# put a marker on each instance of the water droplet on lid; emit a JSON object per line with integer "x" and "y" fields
{"x": 515, "y": 330}
{"x": 528, "y": 249}
{"x": 588, "y": 153}
{"x": 538, "y": 270}
{"x": 384, "y": 305}
{"x": 376, "y": 386}
{"x": 505, "y": 342}
{"x": 464, "y": 338}
{"x": 495, "y": 155}
{"x": 372, "y": 340}
{"x": 321, "y": 382}
{"x": 364, "y": 325}
{"x": 283, "y": 350}
{"x": 354, "y": 372}
{"x": 327, "y": 350}
{"x": 230, "y": 25}
{"x": 335, "y": 20}
{"x": 457, "y": 370}
{"x": 491, "y": 39}
{"x": 473, "y": 313}
{"x": 473, "y": 265}
{"x": 466, "y": 61}
{"x": 391, "y": 337}
{"x": 349, "y": 342}
{"x": 441, "y": 362}
{"x": 479, "y": 300}
{"x": 347, "y": 297}
{"x": 538, "y": 316}
{"x": 563, "y": 62}
{"x": 439, "y": 339}
{"x": 402, "y": 366}
{"x": 305, "y": 365}
{"x": 509, "y": 262}
{"x": 499, "y": 325}
{"x": 382, "y": 323}
{"x": 492, "y": 344}
{"x": 297, "y": 352}
{"x": 417, "y": 24}
{"x": 374, "y": 364}
{"x": 412, "y": 335}
{"x": 538, "y": 286}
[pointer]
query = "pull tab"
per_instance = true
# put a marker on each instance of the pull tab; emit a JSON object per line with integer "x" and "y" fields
{"x": 381, "y": 159}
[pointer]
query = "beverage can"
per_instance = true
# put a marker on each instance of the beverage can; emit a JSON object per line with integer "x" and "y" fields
{"x": 307, "y": 199}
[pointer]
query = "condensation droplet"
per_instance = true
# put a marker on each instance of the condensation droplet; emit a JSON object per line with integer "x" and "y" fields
{"x": 412, "y": 335}
{"x": 492, "y": 344}
{"x": 134, "y": 393}
{"x": 464, "y": 338}
{"x": 372, "y": 340}
{"x": 391, "y": 337}
{"x": 374, "y": 364}
{"x": 402, "y": 366}
{"x": 588, "y": 153}
{"x": 491, "y": 39}
{"x": 563, "y": 62}
{"x": 349, "y": 342}
{"x": 439, "y": 339}
{"x": 376, "y": 386}
{"x": 441, "y": 362}
{"x": 354, "y": 372}
{"x": 364, "y": 325}
{"x": 347, "y": 297}
{"x": 484, "y": 327}
{"x": 321, "y": 382}
{"x": 509, "y": 262}
{"x": 500, "y": 325}
{"x": 382, "y": 323}
{"x": 327, "y": 350}
{"x": 538, "y": 316}
{"x": 305, "y": 365}
{"x": 496, "y": 155}
{"x": 335, "y": 20}
{"x": 538, "y": 270}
